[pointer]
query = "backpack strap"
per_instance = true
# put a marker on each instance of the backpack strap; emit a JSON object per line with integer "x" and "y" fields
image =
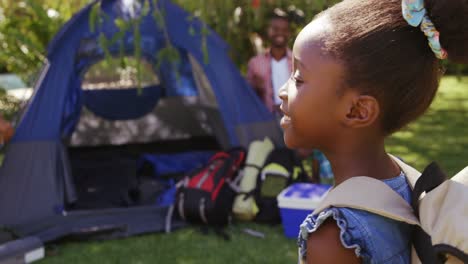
{"x": 461, "y": 177}
{"x": 355, "y": 193}
{"x": 431, "y": 177}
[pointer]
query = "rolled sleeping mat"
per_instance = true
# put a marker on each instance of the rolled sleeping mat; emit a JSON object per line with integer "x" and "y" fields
{"x": 244, "y": 207}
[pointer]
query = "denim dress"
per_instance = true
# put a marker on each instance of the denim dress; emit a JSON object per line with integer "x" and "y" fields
{"x": 374, "y": 238}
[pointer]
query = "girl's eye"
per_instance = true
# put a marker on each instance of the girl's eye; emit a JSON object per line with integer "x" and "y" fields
{"x": 297, "y": 78}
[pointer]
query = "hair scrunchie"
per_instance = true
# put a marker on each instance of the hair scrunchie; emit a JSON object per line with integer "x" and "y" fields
{"x": 415, "y": 14}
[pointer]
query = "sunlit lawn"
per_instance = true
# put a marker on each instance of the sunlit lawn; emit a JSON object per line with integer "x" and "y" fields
{"x": 441, "y": 135}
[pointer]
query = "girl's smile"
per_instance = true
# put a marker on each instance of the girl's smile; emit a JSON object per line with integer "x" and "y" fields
{"x": 285, "y": 121}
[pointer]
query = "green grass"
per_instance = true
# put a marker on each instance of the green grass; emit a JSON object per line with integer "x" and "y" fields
{"x": 186, "y": 246}
{"x": 440, "y": 135}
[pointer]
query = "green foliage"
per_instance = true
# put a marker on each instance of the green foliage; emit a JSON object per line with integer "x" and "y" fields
{"x": 26, "y": 27}
{"x": 239, "y": 21}
{"x": 93, "y": 17}
{"x": 455, "y": 69}
{"x": 9, "y": 105}
{"x": 167, "y": 54}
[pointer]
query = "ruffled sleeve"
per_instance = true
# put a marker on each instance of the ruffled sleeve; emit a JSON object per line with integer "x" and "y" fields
{"x": 352, "y": 234}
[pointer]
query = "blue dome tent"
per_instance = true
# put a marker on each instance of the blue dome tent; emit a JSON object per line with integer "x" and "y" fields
{"x": 69, "y": 109}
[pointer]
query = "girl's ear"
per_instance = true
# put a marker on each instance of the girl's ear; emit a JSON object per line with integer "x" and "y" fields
{"x": 362, "y": 111}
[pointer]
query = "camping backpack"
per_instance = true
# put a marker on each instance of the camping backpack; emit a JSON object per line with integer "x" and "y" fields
{"x": 207, "y": 194}
{"x": 282, "y": 167}
{"x": 439, "y": 210}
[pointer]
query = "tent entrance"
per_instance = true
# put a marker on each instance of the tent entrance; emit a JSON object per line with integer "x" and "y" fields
{"x": 121, "y": 176}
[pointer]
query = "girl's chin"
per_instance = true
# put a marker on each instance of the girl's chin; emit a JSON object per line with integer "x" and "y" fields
{"x": 293, "y": 142}
{"x": 289, "y": 141}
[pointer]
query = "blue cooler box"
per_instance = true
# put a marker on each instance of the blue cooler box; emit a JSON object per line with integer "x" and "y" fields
{"x": 296, "y": 202}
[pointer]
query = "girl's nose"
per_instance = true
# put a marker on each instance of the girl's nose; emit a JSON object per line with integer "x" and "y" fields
{"x": 283, "y": 92}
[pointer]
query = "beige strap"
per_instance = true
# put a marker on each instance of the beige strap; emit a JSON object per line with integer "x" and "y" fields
{"x": 369, "y": 194}
{"x": 365, "y": 193}
{"x": 461, "y": 177}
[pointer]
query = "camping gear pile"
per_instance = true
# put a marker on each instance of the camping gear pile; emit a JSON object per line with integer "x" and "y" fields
{"x": 243, "y": 184}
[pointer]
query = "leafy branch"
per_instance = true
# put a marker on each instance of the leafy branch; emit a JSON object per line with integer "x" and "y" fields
{"x": 168, "y": 54}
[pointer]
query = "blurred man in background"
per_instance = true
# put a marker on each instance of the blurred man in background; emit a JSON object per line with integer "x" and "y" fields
{"x": 270, "y": 70}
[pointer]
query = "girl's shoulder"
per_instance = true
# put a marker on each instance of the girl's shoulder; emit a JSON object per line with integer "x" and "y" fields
{"x": 374, "y": 238}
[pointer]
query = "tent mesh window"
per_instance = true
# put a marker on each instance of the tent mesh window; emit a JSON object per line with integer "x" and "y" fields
{"x": 119, "y": 73}
{"x": 118, "y": 111}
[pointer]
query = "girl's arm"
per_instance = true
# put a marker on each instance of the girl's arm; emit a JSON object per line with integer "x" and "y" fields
{"x": 324, "y": 246}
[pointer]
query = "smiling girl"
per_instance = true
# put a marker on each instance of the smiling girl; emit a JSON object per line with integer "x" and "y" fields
{"x": 363, "y": 70}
